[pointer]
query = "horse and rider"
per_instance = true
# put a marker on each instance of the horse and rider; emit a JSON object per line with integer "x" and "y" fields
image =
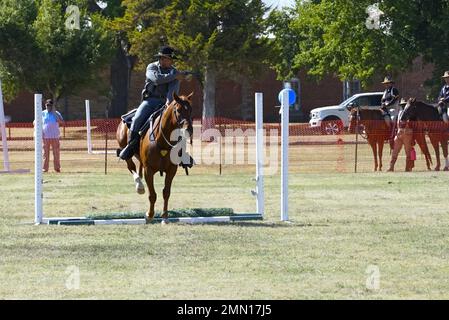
{"x": 406, "y": 134}
{"x": 399, "y": 130}
{"x": 156, "y": 132}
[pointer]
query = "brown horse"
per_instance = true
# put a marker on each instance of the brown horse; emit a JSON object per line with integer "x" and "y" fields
{"x": 162, "y": 154}
{"x": 376, "y": 129}
{"x": 377, "y": 132}
{"x": 428, "y": 119}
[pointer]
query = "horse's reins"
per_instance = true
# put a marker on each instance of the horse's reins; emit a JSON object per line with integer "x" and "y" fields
{"x": 160, "y": 126}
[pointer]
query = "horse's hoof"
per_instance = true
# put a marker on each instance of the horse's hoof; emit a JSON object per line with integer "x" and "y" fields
{"x": 148, "y": 219}
{"x": 164, "y": 222}
{"x": 437, "y": 169}
{"x": 140, "y": 190}
{"x": 446, "y": 168}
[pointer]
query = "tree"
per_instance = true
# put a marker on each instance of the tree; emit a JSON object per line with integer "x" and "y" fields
{"x": 344, "y": 38}
{"x": 42, "y": 49}
{"x": 216, "y": 38}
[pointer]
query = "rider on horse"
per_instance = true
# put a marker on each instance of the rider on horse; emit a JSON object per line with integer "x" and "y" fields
{"x": 443, "y": 98}
{"x": 162, "y": 80}
{"x": 389, "y": 99}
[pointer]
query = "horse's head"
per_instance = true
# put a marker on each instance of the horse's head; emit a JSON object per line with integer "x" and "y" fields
{"x": 409, "y": 110}
{"x": 182, "y": 109}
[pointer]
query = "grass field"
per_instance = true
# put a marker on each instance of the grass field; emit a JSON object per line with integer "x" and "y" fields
{"x": 342, "y": 226}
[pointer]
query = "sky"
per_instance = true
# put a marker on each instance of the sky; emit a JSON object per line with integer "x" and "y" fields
{"x": 280, "y": 3}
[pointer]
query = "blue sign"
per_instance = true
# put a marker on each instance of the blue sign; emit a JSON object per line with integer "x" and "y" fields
{"x": 291, "y": 96}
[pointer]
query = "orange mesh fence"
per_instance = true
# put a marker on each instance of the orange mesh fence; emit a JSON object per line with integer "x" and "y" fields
{"x": 311, "y": 150}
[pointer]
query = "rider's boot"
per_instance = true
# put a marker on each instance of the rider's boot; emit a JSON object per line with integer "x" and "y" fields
{"x": 131, "y": 148}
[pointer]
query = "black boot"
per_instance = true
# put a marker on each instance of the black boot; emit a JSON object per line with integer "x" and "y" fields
{"x": 132, "y": 146}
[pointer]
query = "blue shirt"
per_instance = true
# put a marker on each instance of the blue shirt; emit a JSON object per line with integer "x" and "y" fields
{"x": 50, "y": 126}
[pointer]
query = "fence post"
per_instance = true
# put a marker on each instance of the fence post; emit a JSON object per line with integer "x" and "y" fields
{"x": 38, "y": 193}
{"x": 3, "y": 133}
{"x": 284, "y": 154}
{"x": 89, "y": 141}
{"x": 259, "y": 154}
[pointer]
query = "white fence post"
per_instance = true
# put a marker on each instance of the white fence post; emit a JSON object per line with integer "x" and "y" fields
{"x": 284, "y": 154}
{"x": 89, "y": 141}
{"x": 259, "y": 153}
{"x": 3, "y": 133}
{"x": 38, "y": 193}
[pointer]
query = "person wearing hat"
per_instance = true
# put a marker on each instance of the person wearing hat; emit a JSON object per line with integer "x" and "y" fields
{"x": 162, "y": 80}
{"x": 404, "y": 137}
{"x": 390, "y": 99}
{"x": 51, "y": 134}
{"x": 443, "y": 98}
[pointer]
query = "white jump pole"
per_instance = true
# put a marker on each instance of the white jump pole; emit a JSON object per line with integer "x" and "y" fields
{"x": 89, "y": 140}
{"x": 259, "y": 154}
{"x": 284, "y": 154}
{"x": 3, "y": 132}
{"x": 38, "y": 193}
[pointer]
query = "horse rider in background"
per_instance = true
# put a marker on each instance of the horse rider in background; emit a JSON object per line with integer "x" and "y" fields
{"x": 443, "y": 98}
{"x": 389, "y": 100}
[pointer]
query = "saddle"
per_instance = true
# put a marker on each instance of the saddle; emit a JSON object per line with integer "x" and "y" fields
{"x": 128, "y": 118}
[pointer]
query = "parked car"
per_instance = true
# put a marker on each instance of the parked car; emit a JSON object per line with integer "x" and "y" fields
{"x": 334, "y": 119}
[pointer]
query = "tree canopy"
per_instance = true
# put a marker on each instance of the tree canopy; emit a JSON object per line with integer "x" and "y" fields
{"x": 44, "y": 49}
{"x": 362, "y": 39}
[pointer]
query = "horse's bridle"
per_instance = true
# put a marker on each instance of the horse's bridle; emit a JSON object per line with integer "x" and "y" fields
{"x": 178, "y": 122}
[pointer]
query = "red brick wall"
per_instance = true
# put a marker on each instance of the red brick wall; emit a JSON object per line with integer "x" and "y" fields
{"x": 329, "y": 91}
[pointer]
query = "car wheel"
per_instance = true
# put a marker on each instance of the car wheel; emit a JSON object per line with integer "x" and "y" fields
{"x": 332, "y": 126}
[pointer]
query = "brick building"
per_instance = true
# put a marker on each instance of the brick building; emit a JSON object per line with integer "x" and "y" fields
{"x": 329, "y": 91}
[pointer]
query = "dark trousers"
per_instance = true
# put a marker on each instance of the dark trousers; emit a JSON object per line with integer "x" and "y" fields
{"x": 144, "y": 111}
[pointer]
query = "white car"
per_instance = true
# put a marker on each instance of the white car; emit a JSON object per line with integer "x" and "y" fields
{"x": 333, "y": 119}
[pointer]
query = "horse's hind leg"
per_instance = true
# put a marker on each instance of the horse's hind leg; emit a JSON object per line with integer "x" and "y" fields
{"x": 137, "y": 177}
{"x": 445, "y": 151}
{"x": 170, "y": 174}
{"x": 149, "y": 178}
{"x": 434, "y": 139}
{"x": 374, "y": 148}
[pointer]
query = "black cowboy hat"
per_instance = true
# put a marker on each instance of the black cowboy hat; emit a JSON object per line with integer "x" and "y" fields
{"x": 166, "y": 51}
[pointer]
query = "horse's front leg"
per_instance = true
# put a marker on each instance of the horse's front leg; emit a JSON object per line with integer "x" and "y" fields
{"x": 380, "y": 153}
{"x": 170, "y": 174}
{"x": 149, "y": 178}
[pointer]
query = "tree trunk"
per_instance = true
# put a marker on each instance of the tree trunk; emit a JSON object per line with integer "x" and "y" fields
{"x": 247, "y": 111}
{"x": 209, "y": 96}
{"x": 120, "y": 78}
